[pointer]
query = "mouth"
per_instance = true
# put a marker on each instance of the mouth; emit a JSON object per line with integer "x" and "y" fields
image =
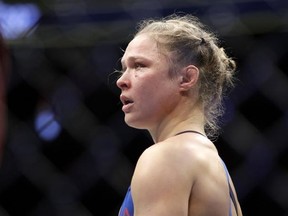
{"x": 127, "y": 102}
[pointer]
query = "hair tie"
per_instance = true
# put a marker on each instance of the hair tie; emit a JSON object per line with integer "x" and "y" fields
{"x": 203, "y": 41}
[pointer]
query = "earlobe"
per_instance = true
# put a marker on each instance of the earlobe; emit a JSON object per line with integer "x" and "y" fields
{"x": 189, "y": 77}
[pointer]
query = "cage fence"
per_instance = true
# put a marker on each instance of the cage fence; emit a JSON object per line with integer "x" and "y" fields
{"x": 67, "y": 149}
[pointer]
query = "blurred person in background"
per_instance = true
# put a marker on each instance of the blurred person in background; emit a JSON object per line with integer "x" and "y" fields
{"x": 3, "y": 82}
{"x": 174, "y": 75}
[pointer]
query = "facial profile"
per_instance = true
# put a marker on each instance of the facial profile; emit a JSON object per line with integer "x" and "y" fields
{"x": 147, "y": 89}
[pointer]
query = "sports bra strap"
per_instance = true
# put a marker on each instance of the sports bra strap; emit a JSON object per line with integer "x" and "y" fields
{"x": 232, "y": 195}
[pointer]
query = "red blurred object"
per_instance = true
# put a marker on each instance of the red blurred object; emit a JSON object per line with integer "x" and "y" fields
{"x": 4, "y": 65}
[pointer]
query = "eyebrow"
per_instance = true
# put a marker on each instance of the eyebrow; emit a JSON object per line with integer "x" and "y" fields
{"x": 134, "y": 58}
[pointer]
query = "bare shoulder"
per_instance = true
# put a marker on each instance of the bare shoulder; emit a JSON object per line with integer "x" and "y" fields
{"x": 163, "y": 180}
{"x": 161, "y": 158}
{"x": 170, "y": 154}
{"x": 178, "y": 155}
{"x": 177, "y": 170}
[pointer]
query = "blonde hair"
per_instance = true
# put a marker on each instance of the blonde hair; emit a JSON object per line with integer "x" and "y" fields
{"x": 189, "y": 42}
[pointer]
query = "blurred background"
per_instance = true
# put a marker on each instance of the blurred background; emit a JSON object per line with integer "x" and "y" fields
{"x": 67, "y": 150}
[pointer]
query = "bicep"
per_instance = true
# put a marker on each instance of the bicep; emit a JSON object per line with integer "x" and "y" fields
{"x": 160, "y": 186}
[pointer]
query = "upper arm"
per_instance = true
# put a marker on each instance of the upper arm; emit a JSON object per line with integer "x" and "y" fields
{"x": 161, "y": 184}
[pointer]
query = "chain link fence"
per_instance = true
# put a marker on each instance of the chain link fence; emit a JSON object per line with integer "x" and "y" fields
{"x": 68, "y": 150}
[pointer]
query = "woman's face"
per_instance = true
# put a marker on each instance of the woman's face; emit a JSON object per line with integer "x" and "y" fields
{"x": 148, "y": 93}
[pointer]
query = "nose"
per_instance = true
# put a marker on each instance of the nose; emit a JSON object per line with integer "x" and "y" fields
{"x": 123, "y": 82}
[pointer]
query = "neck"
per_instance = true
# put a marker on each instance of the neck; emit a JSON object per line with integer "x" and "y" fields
{"x": 189, "y": 119}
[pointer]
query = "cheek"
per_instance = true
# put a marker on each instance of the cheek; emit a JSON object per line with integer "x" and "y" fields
{"x": 149, "y": 86}
{"x": 148, "y": 96}
{"x": 158, "y": 94}
{"x": 155, "y": 87}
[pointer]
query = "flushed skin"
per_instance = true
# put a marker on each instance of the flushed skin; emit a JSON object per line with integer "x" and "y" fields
{"x": 181, "y": 174}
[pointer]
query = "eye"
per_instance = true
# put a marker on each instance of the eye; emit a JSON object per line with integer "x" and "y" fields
{"x": 139, "y": 65}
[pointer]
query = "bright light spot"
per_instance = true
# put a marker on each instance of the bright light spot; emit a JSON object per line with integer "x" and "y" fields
{"x": 17, "y": 19}
{"x": 46, "y": 125}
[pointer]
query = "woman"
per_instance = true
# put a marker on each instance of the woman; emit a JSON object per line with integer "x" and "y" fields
{"x": 173, "y": 79}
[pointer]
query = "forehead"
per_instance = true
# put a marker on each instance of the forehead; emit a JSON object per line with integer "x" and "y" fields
{"x": 142, "y": 46}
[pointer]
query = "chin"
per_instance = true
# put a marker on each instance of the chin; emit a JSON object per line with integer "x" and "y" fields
{"x": 135, "y": 124}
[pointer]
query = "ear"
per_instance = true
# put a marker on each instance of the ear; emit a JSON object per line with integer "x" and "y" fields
{"x": 189, "y": 77}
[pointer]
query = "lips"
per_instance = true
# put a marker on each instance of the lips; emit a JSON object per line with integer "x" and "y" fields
{"x": 127, "y": 103}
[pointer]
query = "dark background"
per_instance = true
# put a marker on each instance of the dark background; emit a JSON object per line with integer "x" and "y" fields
{"x": 64, "y": 66}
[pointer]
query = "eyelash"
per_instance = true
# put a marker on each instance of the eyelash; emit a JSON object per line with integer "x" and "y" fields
{"x": 135, "y": 66}
{"x": 138, "y": 65}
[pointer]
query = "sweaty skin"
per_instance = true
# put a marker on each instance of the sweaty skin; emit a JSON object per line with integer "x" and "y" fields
{"x": 179, "y": 175}
{"x": 174, "y": 177}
